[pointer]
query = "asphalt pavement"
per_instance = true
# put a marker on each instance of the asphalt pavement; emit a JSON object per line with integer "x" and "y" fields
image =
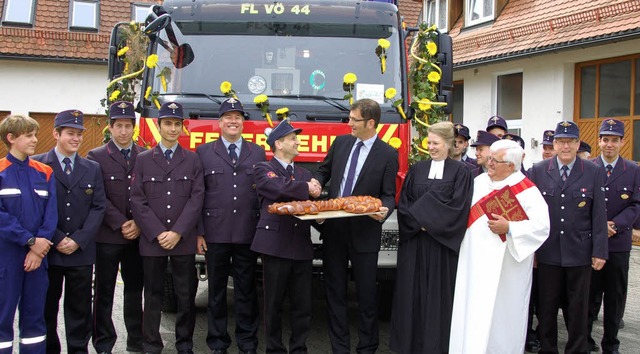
{"x": 318, "y": 341}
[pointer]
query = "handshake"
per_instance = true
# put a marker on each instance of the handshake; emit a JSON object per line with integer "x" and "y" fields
{"x": 314, "y": 188}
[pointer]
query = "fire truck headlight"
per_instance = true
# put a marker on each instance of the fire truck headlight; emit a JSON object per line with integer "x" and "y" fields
{"x": 257, "y": 84}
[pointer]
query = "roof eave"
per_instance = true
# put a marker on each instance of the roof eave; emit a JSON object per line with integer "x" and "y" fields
{"x": 587, "y": 42}
{"x": 49, "y": 59}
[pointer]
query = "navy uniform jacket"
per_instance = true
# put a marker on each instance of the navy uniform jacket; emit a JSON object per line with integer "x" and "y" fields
{"x": 27, "y": 208}
{"x": 167, "y": 197}
{"x": 116, "y": 175}
{"x": 377, "y": 178}
{"x": 622, "y": 194}
{"x": 283, "y": 236}
{"x": 577, "y": 210}
{"x": 81, "y": 206}
{"x": 231, "y": 209}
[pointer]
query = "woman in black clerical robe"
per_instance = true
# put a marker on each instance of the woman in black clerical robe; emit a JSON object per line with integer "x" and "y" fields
{"x": 432, "y": 215}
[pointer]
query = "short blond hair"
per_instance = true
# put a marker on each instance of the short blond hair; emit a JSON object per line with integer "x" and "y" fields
{"x": 16, "y": 125}
{"x": 446, "y": 131}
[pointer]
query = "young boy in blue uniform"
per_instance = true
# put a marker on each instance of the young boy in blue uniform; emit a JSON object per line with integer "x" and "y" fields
{"x": 28, "y": 218}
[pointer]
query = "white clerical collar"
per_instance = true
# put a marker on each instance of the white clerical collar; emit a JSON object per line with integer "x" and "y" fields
{"x": 436, "y": 170}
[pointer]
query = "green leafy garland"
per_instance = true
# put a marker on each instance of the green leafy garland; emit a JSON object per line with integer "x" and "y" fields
{"x": 424, "y": 75}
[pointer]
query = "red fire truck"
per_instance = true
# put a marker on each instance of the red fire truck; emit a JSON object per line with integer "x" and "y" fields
{"x": 296, "y": 53}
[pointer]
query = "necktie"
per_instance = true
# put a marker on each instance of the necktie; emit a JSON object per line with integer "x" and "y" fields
{"x": 290, "y": 170}
{"x": 351, "y": 174}
{"x": 232, "y": 153}
{"x": 167, "y": 154}
{"x": 67, "y": 165}
{"x": 609, "y": 170}
{"x": 125, "y": 153}
{"x": 565, "y": 173}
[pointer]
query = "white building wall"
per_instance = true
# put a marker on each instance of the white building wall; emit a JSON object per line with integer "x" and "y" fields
{"x": 548, "y": 90}
{"x": 49, "y": 87}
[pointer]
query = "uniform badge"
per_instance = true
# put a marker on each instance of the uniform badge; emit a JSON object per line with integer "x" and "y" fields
{"x": 583, "y": 190}
{"x": 582, "y": 204}
{"x": 624, "y": 196}
{"x": 89, "y": 191}
{"x": 253, "y": 186}
{"x": 271, "y": 174}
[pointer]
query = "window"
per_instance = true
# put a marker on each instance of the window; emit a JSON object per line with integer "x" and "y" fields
{"x": 510, "y": 96}
{"x": 84, "y": 14}
{"x": 436, "y": 13}
{"x": 19, "y": 11}
{"x": 140, "y": 12}
{"x": 610, "y": 88}
{"x": 479, "y": 11}
{"x": 457, "y": 115}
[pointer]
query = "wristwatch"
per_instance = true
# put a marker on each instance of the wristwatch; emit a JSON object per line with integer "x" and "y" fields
{"x": 31, "y": 241}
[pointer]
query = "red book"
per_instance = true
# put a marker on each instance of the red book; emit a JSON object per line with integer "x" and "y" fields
{"x": 505, "y": 203}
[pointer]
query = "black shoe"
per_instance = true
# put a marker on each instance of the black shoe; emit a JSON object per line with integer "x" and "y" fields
{"x": 104, "y": 352}
{"x": 134, "y": 349}
{"x": 532, "y": 346}
{"x": 185, "y": 352}
{"x": 219, "y": 351}
{"x": 593, "y": 347}
{"x": 621, "y": 326}
{"x": 250, "y": 351}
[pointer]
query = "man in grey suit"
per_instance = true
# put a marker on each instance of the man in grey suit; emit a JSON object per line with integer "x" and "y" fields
{"x": 229, "y": 218}
{"x": 351, "y": 158}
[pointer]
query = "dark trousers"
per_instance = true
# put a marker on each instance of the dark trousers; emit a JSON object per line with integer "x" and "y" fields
{"x": 238, "y": 261}
{"x": 611, "y": 281}
{"x": 338, "y": 252}
{"x": 282, "y": 277}
{"x": 108, "y": 258}
{"x": 77, "y": 307}
{"x": 558, "y": 286}
{"x": 183, "y": 271}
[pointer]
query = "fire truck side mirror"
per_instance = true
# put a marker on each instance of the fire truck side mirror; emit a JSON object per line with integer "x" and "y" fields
{"x": 154, "y": 23}
{"x": 444, "y": 57}
{"x": 116, "y": 64}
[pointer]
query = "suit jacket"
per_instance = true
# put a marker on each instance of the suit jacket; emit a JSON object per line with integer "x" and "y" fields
{"x": 231, "y": 209}
{"x": 577, "y": 213}
{"x": 116, "y": 175}
{"x": 622, "y": 194}
{"x": 377, "y": 178}
{"x": 81, "y": 207}
{"x": 283, "y": 236}
{"x": 167, "y": 197}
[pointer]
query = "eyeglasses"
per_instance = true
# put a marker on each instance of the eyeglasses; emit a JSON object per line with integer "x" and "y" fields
{"x": 491, "y": 159}
{"x": 352, "y": 119}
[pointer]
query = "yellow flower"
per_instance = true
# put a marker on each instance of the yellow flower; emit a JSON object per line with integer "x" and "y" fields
{"x": 432, "y": 48}
{"x": 152, "y": 60}
{"x": 122, "y": 51}
{"x": 383, "y": 43}
{"x": 260, "y": 99}
{"x": 350, "y": 78}
{"x": 425, "y": 143}
{"x": 283, "y": 110}
{"x": 395, "y": 142}
{"x": 225, "y": 87}
{"x": 147, "y": 93}
{"x": 434, "y": 77}
{"x": 114, "y": 95}
{"x": 136, "y": 133}
{"x": 424, "y": 106}
{"x": 390, "y": 93}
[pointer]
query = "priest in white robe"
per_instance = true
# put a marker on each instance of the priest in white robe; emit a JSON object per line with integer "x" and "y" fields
{"x": 493, "y": 280}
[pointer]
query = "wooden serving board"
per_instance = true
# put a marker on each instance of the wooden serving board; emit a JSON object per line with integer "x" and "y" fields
{"x": 331, "y": 215}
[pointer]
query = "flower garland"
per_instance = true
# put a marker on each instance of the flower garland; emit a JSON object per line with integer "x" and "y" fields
{"x": 424, "y": 92}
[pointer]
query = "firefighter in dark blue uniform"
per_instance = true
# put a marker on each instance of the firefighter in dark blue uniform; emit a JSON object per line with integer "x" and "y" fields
{"x": 81, "y": 206}
{"x": 482, "y": 144}
{"x": 166, "y": 201}
{"x": 284, "y": 241}
{"x": 574, "y": 191}
{"x": 462, "y": 144}
{"x": 28, "y": 218}
{"x": 117, "y": 239}
{"x": 229, "y": 216}
{"x": 622, "y": 195}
